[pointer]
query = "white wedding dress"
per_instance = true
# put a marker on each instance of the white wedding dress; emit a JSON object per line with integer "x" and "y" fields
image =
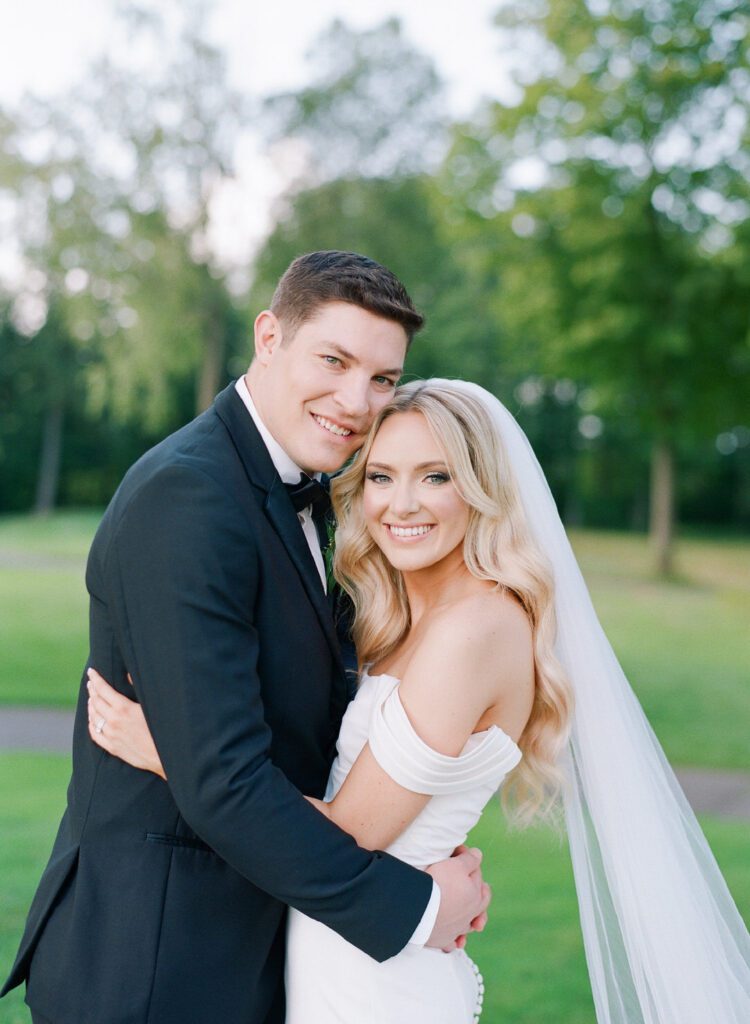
{"x": 329, "y": 981}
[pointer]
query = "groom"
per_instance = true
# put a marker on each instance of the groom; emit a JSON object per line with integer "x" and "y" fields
{"x": 165, "y": 903}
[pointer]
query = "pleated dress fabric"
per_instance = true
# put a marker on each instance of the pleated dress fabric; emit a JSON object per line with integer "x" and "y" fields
{"x": 328, "y": 980}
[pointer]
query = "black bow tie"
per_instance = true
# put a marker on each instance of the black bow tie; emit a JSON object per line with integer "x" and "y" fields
{"x": 308, "y": 493}
{"x": 312, "y": 494}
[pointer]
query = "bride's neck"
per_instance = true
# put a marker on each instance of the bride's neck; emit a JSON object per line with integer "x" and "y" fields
{"x": 437, "y": 585}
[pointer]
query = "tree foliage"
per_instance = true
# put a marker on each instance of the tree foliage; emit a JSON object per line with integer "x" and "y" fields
{"x": 581, "y": 250}
{"x": 614, "y": 195}
{"x": 109, "y": 191}
{"x": 374, "y": 107}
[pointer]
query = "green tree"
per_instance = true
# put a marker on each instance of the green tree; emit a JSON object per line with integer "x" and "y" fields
{"x": 173, "y": 313}
{"x": 117, "y": 288}
{"x": 613, "y": 194}
{"x": 57, "y": 208}
{"x": 164, "y": 110}
{"x": 374, "y": 107}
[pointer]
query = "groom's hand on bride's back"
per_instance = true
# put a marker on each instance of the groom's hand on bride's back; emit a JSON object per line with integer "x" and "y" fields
{"x": 464, "y": 898}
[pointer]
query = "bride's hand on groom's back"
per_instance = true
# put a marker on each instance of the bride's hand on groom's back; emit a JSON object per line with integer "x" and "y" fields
{"x": 464, "y": 898}
{"x": 117, "y": 725}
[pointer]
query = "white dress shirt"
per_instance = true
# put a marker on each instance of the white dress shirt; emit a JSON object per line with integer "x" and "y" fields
{"x": 291, "y": 473}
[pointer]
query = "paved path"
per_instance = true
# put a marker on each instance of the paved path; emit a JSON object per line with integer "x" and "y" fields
{"x": 719, "y": 793}
{"x": 42, "y": 729}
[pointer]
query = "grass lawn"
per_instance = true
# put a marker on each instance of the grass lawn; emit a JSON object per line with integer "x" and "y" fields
{"x": 59, "y": 536}
{"x": 683, "y": 643}
{"x": 43, "y": 634}
{"x": 43, "y": 606}
{"x": 32, "y": 789}
{"x": 531, "y": 954}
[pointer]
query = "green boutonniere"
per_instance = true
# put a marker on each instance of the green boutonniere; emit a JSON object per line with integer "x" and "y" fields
{"x": 329, "y": 552}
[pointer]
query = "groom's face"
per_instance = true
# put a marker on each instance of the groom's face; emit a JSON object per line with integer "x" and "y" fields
{"x": 319, "y": 391}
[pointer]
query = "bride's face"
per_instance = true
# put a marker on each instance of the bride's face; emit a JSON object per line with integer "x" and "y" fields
{"x": 413, "y": 511}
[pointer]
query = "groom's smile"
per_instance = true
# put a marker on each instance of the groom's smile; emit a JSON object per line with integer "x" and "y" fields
{"x": 319, "y": 390}
{"x": 333, "y": 428}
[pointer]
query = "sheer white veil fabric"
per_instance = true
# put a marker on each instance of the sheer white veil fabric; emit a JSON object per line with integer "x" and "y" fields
{"x": 664, "y": 941}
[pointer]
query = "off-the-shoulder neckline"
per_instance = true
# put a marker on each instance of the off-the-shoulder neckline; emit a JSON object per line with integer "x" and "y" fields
{"x": 483, "y": 734}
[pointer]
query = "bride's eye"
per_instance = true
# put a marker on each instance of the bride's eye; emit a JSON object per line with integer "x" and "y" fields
{"x": 377, "y": 478}
{"x": 437, "y": 478}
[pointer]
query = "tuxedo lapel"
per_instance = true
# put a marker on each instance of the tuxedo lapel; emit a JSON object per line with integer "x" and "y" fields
{"x": 280, "y": 512}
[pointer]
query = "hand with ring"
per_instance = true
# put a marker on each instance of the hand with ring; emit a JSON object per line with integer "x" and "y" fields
{"x": 117, "y": 725}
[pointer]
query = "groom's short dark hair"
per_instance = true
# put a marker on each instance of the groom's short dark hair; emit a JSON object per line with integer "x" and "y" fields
{"x": 335, "y": 276}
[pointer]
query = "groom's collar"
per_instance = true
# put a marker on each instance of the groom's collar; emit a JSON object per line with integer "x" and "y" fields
{"x": 286, "y": 467}
{"x": 247, "y": 440}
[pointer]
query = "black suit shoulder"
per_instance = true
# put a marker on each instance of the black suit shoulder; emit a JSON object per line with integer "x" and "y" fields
{"x": 195, "y": 473}
{"x": 202, "y": 446}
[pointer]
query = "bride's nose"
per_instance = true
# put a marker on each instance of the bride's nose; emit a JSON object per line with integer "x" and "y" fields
{"x": 404, "y": 499}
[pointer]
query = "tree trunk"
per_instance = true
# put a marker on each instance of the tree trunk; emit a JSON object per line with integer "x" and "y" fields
{"x": 48, "y": 477}
{"x": 209, "y": 380}
{"x": 662, "y": 513}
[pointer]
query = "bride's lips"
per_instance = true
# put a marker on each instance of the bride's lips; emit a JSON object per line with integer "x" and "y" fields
{"x": 404, "y": 533}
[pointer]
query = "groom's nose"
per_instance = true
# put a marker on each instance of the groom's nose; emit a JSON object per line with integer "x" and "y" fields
{"x": 353, "y": 396}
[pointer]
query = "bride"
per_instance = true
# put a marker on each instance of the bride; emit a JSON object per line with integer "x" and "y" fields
{"x": 481, "y": 661}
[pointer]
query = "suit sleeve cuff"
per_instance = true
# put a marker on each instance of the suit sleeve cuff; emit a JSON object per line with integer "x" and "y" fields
{"x": 425, "y": 926}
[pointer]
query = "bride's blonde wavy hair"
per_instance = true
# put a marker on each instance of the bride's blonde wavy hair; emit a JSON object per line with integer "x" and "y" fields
{"x": 497, "y": 547}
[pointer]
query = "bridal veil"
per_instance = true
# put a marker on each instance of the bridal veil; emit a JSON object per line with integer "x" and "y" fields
{"x": 664, "y": 941}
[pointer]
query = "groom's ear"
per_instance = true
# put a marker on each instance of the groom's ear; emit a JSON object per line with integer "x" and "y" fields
{"x": 268, "y": 336}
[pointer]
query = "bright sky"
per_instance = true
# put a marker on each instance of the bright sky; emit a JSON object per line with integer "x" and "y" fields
{"x": 45, "y": 44}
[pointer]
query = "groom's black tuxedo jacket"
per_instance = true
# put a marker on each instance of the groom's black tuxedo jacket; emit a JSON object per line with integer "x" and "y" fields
{"x": 164, "y": 902}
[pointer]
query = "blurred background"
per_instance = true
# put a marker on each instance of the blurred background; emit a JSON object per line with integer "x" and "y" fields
{"x": 563, "y": 186}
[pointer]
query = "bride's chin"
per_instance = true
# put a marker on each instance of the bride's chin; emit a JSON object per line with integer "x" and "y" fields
{"x": 406, "y": 561}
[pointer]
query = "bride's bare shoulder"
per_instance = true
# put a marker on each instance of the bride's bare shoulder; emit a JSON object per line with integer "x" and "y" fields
{"x": 483, "y": 641}
{"x": 473, "y": 667}
{"x": 487, "y": 621}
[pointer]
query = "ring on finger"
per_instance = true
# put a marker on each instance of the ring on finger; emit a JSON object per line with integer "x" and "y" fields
{"x": 99, "y": 727}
